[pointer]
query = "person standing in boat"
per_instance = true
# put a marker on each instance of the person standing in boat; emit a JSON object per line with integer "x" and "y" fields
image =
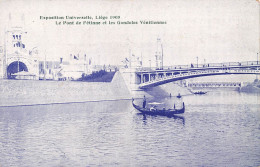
{"x": 144, "y": 102}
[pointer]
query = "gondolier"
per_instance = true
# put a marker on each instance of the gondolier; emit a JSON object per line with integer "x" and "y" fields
{"x": 144, "y": 102}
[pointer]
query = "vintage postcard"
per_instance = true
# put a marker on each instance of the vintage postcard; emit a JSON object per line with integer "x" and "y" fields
{"x": 129, "y": 83}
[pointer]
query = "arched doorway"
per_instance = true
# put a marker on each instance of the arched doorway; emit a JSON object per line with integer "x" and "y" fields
{"x": 15, "y": 67}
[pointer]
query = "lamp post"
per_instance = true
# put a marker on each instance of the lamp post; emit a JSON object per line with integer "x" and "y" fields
{"x": 197, "y": 62}
{"x": 257, "y": 58}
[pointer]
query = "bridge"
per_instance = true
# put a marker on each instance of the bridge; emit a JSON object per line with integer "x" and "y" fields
{"x": 148, "y": 77}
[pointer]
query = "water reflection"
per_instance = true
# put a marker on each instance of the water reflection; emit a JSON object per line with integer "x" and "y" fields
{"x": 178, "y": 118}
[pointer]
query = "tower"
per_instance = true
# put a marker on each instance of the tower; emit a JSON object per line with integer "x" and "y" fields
{"x": 159, "y": 55}
{"x": 17, "y": 56}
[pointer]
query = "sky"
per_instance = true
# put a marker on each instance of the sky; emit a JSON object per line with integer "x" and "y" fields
{"x": 213, "y": 30}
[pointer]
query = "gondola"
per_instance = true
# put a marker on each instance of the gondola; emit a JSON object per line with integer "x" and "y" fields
{"x": 163, "y": 112}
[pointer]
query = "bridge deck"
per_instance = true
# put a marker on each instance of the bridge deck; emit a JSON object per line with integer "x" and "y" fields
{"x": 188, "y": 68}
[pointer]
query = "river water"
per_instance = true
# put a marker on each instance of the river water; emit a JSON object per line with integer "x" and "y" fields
{"x": 217, "y": 129}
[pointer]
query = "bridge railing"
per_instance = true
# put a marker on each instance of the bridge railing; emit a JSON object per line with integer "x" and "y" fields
{"x": 207, "y": 65}
{"x": 213, "y": 84}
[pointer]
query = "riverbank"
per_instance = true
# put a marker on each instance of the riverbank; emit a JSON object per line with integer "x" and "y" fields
{"x": 250, "y": 89}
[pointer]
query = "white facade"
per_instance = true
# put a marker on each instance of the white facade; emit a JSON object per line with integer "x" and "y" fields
{"x": 16, "y": 56}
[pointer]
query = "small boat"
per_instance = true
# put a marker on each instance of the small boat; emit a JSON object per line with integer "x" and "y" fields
{"x": 155, "y": 111}
{"x": 200, "y": 93}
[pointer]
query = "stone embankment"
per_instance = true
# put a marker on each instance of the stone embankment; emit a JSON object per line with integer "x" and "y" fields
{"x": 31, "y": 92}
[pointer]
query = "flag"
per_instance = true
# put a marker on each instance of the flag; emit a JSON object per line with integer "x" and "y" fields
{"x": 75, "y": 57}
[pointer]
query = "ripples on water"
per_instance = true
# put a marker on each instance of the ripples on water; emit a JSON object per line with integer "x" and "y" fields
{"x": 217, "y": 129}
